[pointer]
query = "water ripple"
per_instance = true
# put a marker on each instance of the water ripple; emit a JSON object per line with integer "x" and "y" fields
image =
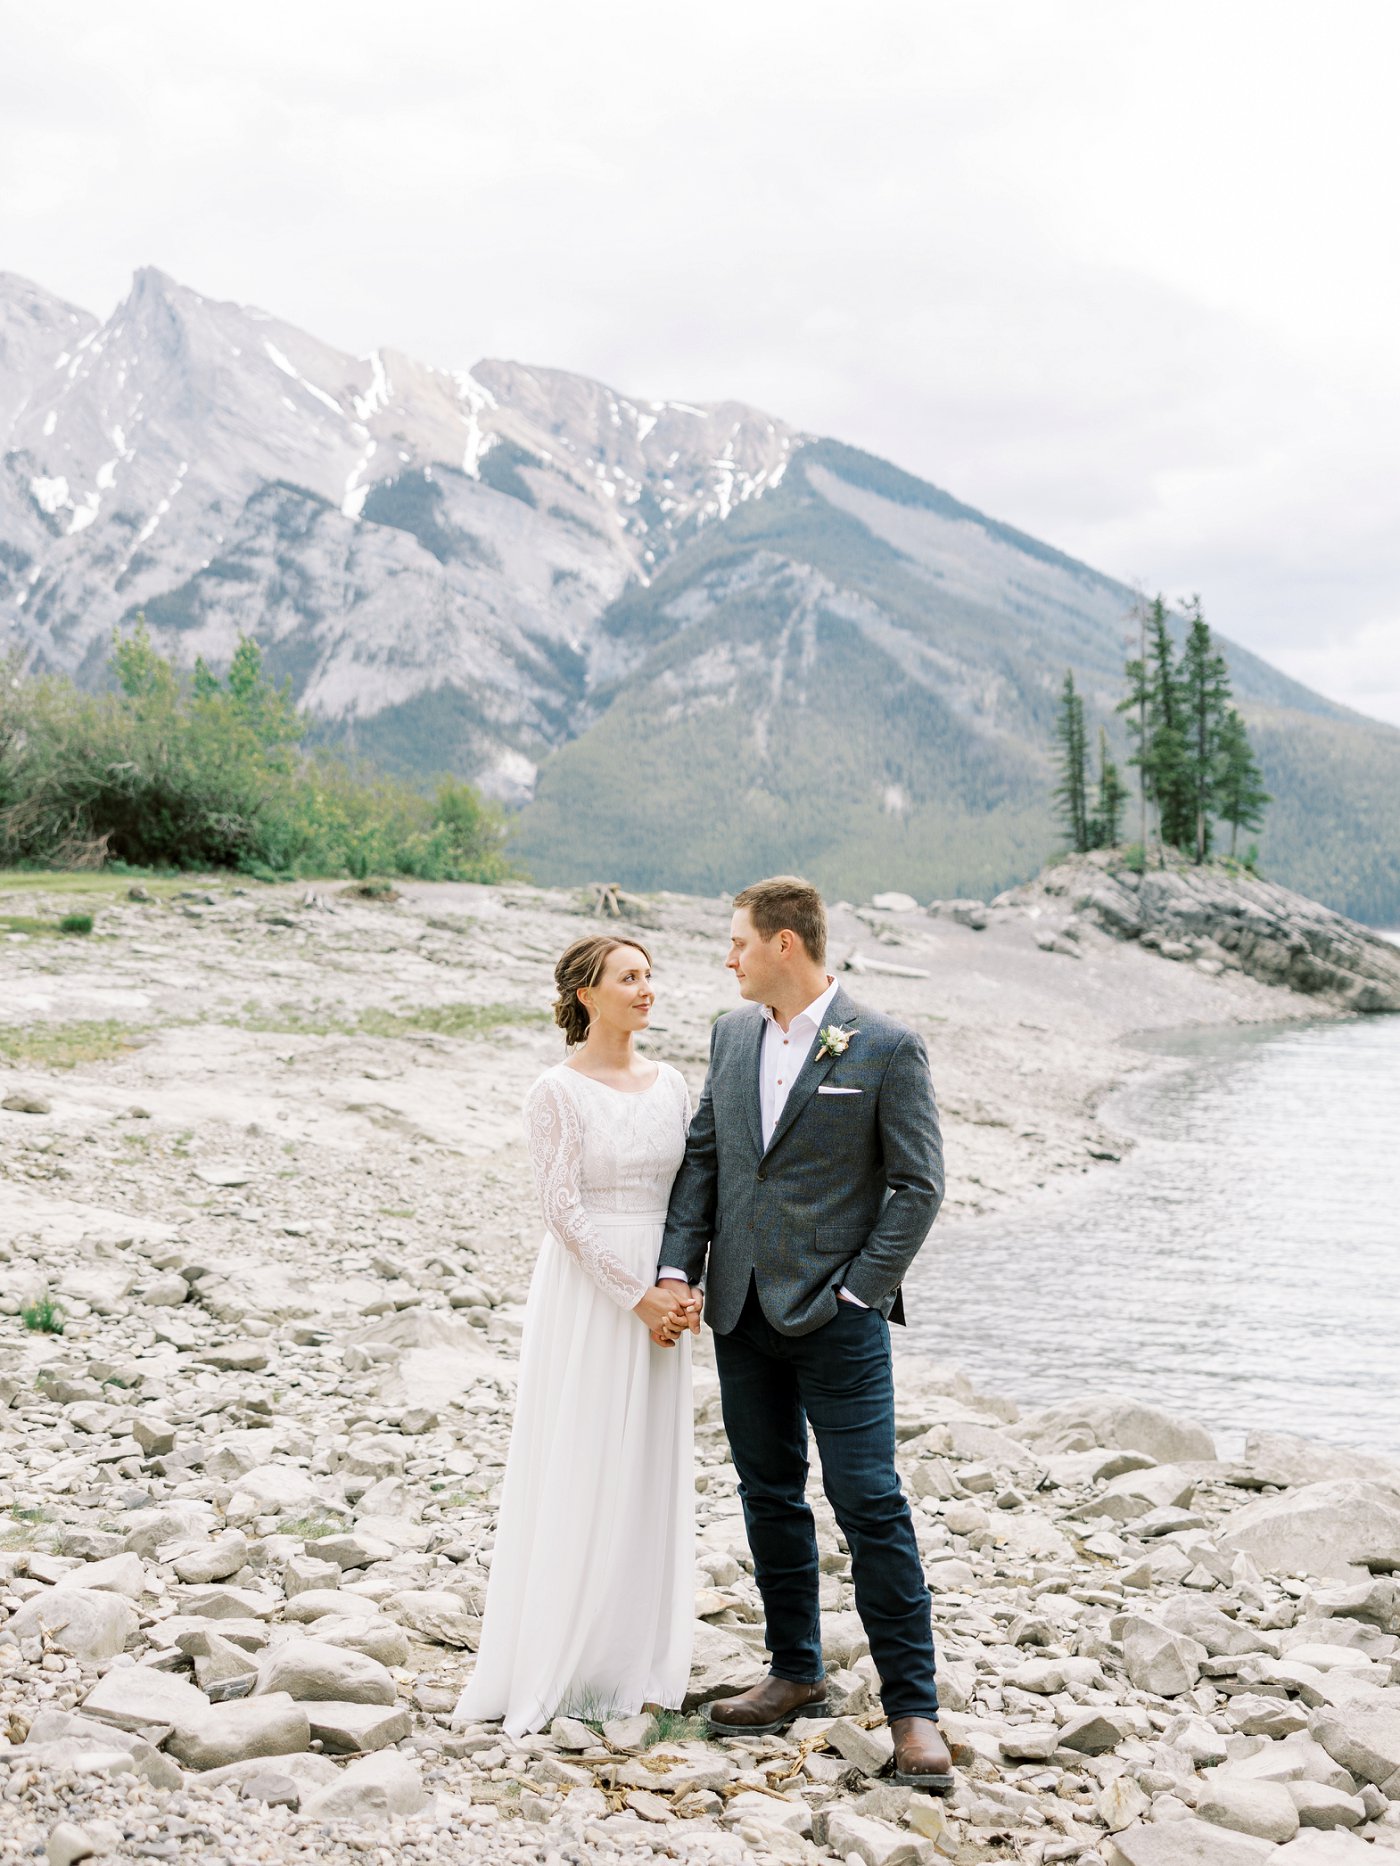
{"x": 1240, "y": 1265}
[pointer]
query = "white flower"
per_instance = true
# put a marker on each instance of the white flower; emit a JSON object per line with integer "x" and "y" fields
{"x": 835, "y": 1041}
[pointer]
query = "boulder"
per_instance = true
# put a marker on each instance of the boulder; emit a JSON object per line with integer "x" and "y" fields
{"x": 216, "y": 1561}
{"x": 355, "y": 1550}
{"x": 1184, "y": 1843}
{"x": 875, "y": 1842}
{"x": 248, "y": 1727}
{"x": 374, "y": 1788}
{"x": 113, "y": 1574}
{"x": 1265, "y": 1809}
{"x": 721, "y": 1664}
{"x": 1107, "y": 1419}
{"x": 1284, "y": 1459}
{"x": 138, "y": 1697}
{"x": 1326, "y": 1807}
{"x": 1159, "y": 1660}
{"x": 377, "y": 1636}
{"x": 1337, "y": 1848}
{"x": 438, "y": 1614}
{"x": 312, "y": 1668}
{"x": 1339, "y": 1530}
{"x": 870, "y": 1751}
{"x": 89, "y": 1624}
{"x": 1363, "y": 1736}
{"x": 343, "y": 1728}
{"x": 279, "y": 1487}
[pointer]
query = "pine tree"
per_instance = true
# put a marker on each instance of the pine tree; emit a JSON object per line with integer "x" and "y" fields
{"x": 1072, "y": 792}
{"x": 1137, "y": 706}
{"x": 1205, "y": 694}
{"x": 1168, "y": 767}
{"x": 1240, "y": 796}
{"x": 1108, "y": 824}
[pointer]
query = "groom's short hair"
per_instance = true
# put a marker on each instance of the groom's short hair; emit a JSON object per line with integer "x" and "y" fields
{"x": 787, "y": 901}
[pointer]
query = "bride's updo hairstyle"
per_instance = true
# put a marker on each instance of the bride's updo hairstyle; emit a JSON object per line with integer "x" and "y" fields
{"x": 579, "y": 969}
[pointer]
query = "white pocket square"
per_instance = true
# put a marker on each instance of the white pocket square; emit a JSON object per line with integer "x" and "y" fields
{"x": 823, "y": 1090}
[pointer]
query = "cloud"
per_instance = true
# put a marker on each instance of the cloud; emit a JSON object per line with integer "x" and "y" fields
{"x": 1112, "y": 275}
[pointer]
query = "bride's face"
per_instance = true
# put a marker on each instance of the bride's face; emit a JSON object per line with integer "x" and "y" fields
{"x": 623, "y": 997}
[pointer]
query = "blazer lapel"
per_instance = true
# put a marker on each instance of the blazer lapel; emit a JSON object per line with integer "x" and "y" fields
{"x": 813, "y": 1070}
{"x": 752, "y": 1072}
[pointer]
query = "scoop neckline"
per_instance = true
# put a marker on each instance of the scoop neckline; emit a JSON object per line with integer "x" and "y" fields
{"x": 570, "y": 1070}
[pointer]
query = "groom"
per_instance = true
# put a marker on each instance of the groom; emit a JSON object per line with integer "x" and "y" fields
{"x": 811, "y": 1177}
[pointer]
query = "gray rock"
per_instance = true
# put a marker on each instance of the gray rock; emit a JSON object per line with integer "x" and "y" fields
{"x": 237, "y": 1357}
{"x": 1185, "y": 1843}
{"x": 304, "y": 1572}
{"x": 378, "y": 1637}
{"x": 438, "y": 1614}
{"x": 1338, "y": 1530}
{"x": 870, "y": 1751}
{"x": 88, "y": 1623}
{"x": 343, "y": 1728}
{"x": 224, "y": 1556}
{"x": 1265, "y": 1809}
{"x": 570, "y": 1734}
{"x": 313, "y": 1668}
{"x": 374, "y": 1788}
{"x": 155, "y": 1436}
{"x": 875, "y": 1842}
{"x": 1363, "y": 1737}
{"x": 68, "y": 1843}
{"x": 251, "y": 1727}
{"x": 1326, "y": 1807}
{"x": 138, "y": 1697}
{"x": 355, "y": 1550}
{"x": 1336, "y": 1848}
{"x": 114, "y": 1574}
{"x": 1159, "y": 1660}
{"x": 1113, "y": 1420}
{"x": 1093, "y": 1731}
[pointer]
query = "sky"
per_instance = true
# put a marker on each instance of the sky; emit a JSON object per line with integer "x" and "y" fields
{"x": 1125, "y": 276}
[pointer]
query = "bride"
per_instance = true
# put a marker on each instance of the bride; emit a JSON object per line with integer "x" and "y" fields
{"x": 590, "y": 1602}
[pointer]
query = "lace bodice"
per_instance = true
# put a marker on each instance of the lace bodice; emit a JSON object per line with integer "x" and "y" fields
{"x": 598, "y": 1153}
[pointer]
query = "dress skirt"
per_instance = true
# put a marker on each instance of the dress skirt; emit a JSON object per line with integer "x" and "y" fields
{"x": 590, "y": 1606}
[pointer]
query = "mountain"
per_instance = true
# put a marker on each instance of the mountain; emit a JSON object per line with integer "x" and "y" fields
{"x": 689, "y": 642}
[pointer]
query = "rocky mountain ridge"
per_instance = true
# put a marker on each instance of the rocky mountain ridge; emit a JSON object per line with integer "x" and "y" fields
{"x": 535, "y": 581}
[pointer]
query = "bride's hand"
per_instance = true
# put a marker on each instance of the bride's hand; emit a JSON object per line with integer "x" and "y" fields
{"x": 665, "y": 1312}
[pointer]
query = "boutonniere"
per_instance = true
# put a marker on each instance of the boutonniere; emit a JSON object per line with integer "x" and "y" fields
{"x": 834, "y": 1041}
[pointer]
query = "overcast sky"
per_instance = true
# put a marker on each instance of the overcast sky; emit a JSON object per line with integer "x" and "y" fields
{"x": 1126, "y": 276}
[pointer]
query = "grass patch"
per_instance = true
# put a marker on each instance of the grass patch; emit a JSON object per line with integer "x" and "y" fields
{"x": 310, "y": 1528}
{"x": 64, "y": 1046}
{"x": 30, "y": 1529}
{"x": 673, "y": 1726}
{"x": 443, "y": 1020}
{"x": 75, "y": 923}
{"x": 43, "y": 1316}
{"x": 450, "y": 1020}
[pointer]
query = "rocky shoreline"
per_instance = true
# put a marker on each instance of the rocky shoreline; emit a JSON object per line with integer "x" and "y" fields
{"x": 261, "y": 1151}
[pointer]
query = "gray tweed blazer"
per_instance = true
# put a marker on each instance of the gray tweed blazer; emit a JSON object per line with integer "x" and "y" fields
{"x": 844, "y": 1193}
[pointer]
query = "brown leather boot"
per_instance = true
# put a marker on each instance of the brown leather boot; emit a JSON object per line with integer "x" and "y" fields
{"x": 921, "y": 1758}
{"x": 767, "y": 1707}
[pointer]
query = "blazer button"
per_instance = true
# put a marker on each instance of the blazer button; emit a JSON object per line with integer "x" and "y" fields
{"x": 762, "y": 1175}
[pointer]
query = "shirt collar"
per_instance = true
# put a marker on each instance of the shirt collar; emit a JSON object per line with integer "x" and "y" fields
{"x": 814, "y": 1012}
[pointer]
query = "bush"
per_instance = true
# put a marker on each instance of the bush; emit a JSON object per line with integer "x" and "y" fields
{"x": 75, "y": 923}
{"x": 168, "y": 772}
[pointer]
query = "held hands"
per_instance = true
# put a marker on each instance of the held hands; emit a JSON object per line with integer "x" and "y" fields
{"x": 668, "y": 1310}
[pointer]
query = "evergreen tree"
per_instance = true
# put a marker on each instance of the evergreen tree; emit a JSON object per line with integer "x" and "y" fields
{"x": 1108, "y": 823}
{"x": 1240, "y": 796}
{"x": 1072, "y": 792}
{"x": 1205, "y": 696}
{"x": 1168, "y": 764}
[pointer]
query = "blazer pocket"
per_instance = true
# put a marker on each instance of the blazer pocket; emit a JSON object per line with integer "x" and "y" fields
{"x": 839, "y": 1241}
{"x": 825, "y": 1090}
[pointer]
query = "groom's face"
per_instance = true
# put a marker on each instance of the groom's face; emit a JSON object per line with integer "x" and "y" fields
{"x": 757, "y": 963}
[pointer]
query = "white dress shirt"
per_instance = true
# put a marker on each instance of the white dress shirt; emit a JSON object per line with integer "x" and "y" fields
{"x": 780, "y": 1060}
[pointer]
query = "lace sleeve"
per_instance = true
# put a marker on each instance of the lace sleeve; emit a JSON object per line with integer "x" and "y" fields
{"x": 556, "y": 1154}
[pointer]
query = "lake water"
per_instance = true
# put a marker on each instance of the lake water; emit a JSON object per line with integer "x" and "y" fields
{"x": 1241, "y": 1265}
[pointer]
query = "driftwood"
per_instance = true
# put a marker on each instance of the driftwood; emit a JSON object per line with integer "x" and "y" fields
{"x": 607, "y": 901}
{"x": 857, "y": 962}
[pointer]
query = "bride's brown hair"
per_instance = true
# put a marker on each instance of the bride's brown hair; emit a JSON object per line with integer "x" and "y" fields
{"x": 579, "y": 968}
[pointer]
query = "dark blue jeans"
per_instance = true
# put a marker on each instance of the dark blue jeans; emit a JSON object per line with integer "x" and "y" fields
{"x": 840, "y": 1378}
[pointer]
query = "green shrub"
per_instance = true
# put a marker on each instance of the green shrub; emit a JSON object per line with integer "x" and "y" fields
{"x": 43, "y": 1316}
{"x": 168, "y": 772}
{"x": 75, "y": 923}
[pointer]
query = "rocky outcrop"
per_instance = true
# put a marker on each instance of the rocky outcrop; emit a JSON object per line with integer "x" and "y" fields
{"x": 1220, "y": 920}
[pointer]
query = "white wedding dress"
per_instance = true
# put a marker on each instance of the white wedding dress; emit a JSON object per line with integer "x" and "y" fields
{"x": 590, "y": 1603}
